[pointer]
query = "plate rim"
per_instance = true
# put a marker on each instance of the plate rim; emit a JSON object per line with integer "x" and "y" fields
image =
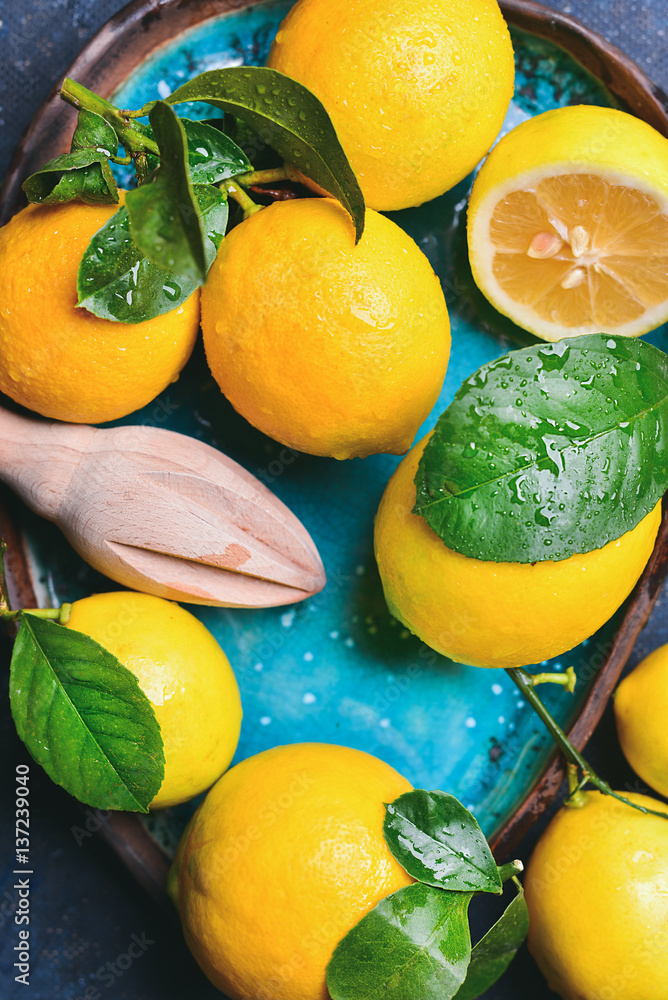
{"x": 104, "y": 62}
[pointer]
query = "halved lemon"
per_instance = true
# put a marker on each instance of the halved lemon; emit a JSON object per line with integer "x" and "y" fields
{"x": 568, "y": 224}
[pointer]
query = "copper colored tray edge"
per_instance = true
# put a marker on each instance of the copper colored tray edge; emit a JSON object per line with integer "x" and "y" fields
{"x": 124, "y": 41}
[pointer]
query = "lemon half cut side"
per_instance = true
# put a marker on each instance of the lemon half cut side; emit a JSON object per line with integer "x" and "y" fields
{"x": 568, "y": 224}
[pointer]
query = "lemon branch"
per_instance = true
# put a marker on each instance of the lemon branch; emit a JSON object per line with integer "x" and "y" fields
{"x": 525, "y": 682}
{"x": 134, "y": 141}
{"x": 242, "y": 199}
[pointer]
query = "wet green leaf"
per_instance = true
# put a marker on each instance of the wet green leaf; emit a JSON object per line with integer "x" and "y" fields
{"x": 551, "y": 450}
{"x": 163, "y": 212}
{"x": 84, "y": 175}
{"x": 414, "y": 945}
{"x": 93, "y": 132}
{"x": 213, "y": 157}
{"x": 84, "y": 718}
{"x": 287, "y": 117}
{"x": 495, "y": 951}
{"x": 439, "y": 842}
{"x": 116, "y": 281}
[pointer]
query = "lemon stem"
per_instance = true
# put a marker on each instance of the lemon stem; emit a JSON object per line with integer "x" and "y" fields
{"x": 576, "y": 797}
{"x": 567, "y": 679}
{"x": 60, "y": 615}
{"x": 510, "y": 870}
{"x": 242, "y": 199}
{"x": 524, "y": 682}
{"x": 141, "y": 167}
{"x": 264, "y": 176}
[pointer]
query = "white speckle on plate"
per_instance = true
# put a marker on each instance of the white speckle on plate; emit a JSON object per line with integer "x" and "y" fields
{"x": 501, "y": 720}
{"x": 163, "y": 88}
{"x": 287, "y": 618}
{"x": 334, "y": 634}
{"x": 384, "y": 723}
{"x": 470, "y": 722}
{"x": 265, "y": 720}
{"x": 497, "y": 689}
{"x": 359, "y": 570}
{"x": 259, "y": 667}
{"x": 309, "y": 698}
{"x": 350, "y": 642}
{"x": 308, "y": 657}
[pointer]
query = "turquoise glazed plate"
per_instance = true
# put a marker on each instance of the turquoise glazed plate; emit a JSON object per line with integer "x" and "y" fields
{"x": 338, "y": 668}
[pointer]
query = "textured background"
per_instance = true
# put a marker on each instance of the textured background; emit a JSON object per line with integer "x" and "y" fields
{"x": 85, "y": 906}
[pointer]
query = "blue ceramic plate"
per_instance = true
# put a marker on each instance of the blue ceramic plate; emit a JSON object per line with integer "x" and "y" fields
{"x": 338, "y": 668}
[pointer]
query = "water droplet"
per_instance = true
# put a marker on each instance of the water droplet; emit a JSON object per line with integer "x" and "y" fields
{"x": 544, "y": 517}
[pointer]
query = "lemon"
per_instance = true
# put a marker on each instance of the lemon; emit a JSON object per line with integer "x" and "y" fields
{"x": 641, "y": 713}
{"x": 61, "y": 360}
{"x": 596, "y": 889}
{"x": 284, "y": 856}
{"x": 417, "y": 91}
{"x": 568, "y": 224}
{"x": 184, "y": 673}
{"x": 331, "y": 348}
{"x": 496, "y": 614}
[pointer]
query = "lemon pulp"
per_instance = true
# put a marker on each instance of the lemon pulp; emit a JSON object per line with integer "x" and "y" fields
{"x": 582, "y": 251}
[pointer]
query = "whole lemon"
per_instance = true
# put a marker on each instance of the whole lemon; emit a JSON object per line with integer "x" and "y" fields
{"x": 61, "y": 360}
{"x": 496, "y": 614}
{"x": 596, "y": 889}
{"x": 331, "y": 348}
{"x": 284, "y": 856}
{"x": 641, "y": 713}
{"x": 417, "y": 91}
{"x": 184, "y": 673}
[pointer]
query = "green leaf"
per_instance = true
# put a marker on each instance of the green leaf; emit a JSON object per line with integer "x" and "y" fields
{"x": 84, "y": 718}
{"x": 83, "y": 175}
{"x": 93, "y": 132}
{"x": 116, "y": 281}
{"x": 551, "y": 450}
{"x": 414, "y": 945}
{"x": 439, "y": 842}
{"x": 212, "y": 155}
{"x": 287, "y": 117}
{"x": 163, "y": 213}
{"x": 495, "y": 951}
